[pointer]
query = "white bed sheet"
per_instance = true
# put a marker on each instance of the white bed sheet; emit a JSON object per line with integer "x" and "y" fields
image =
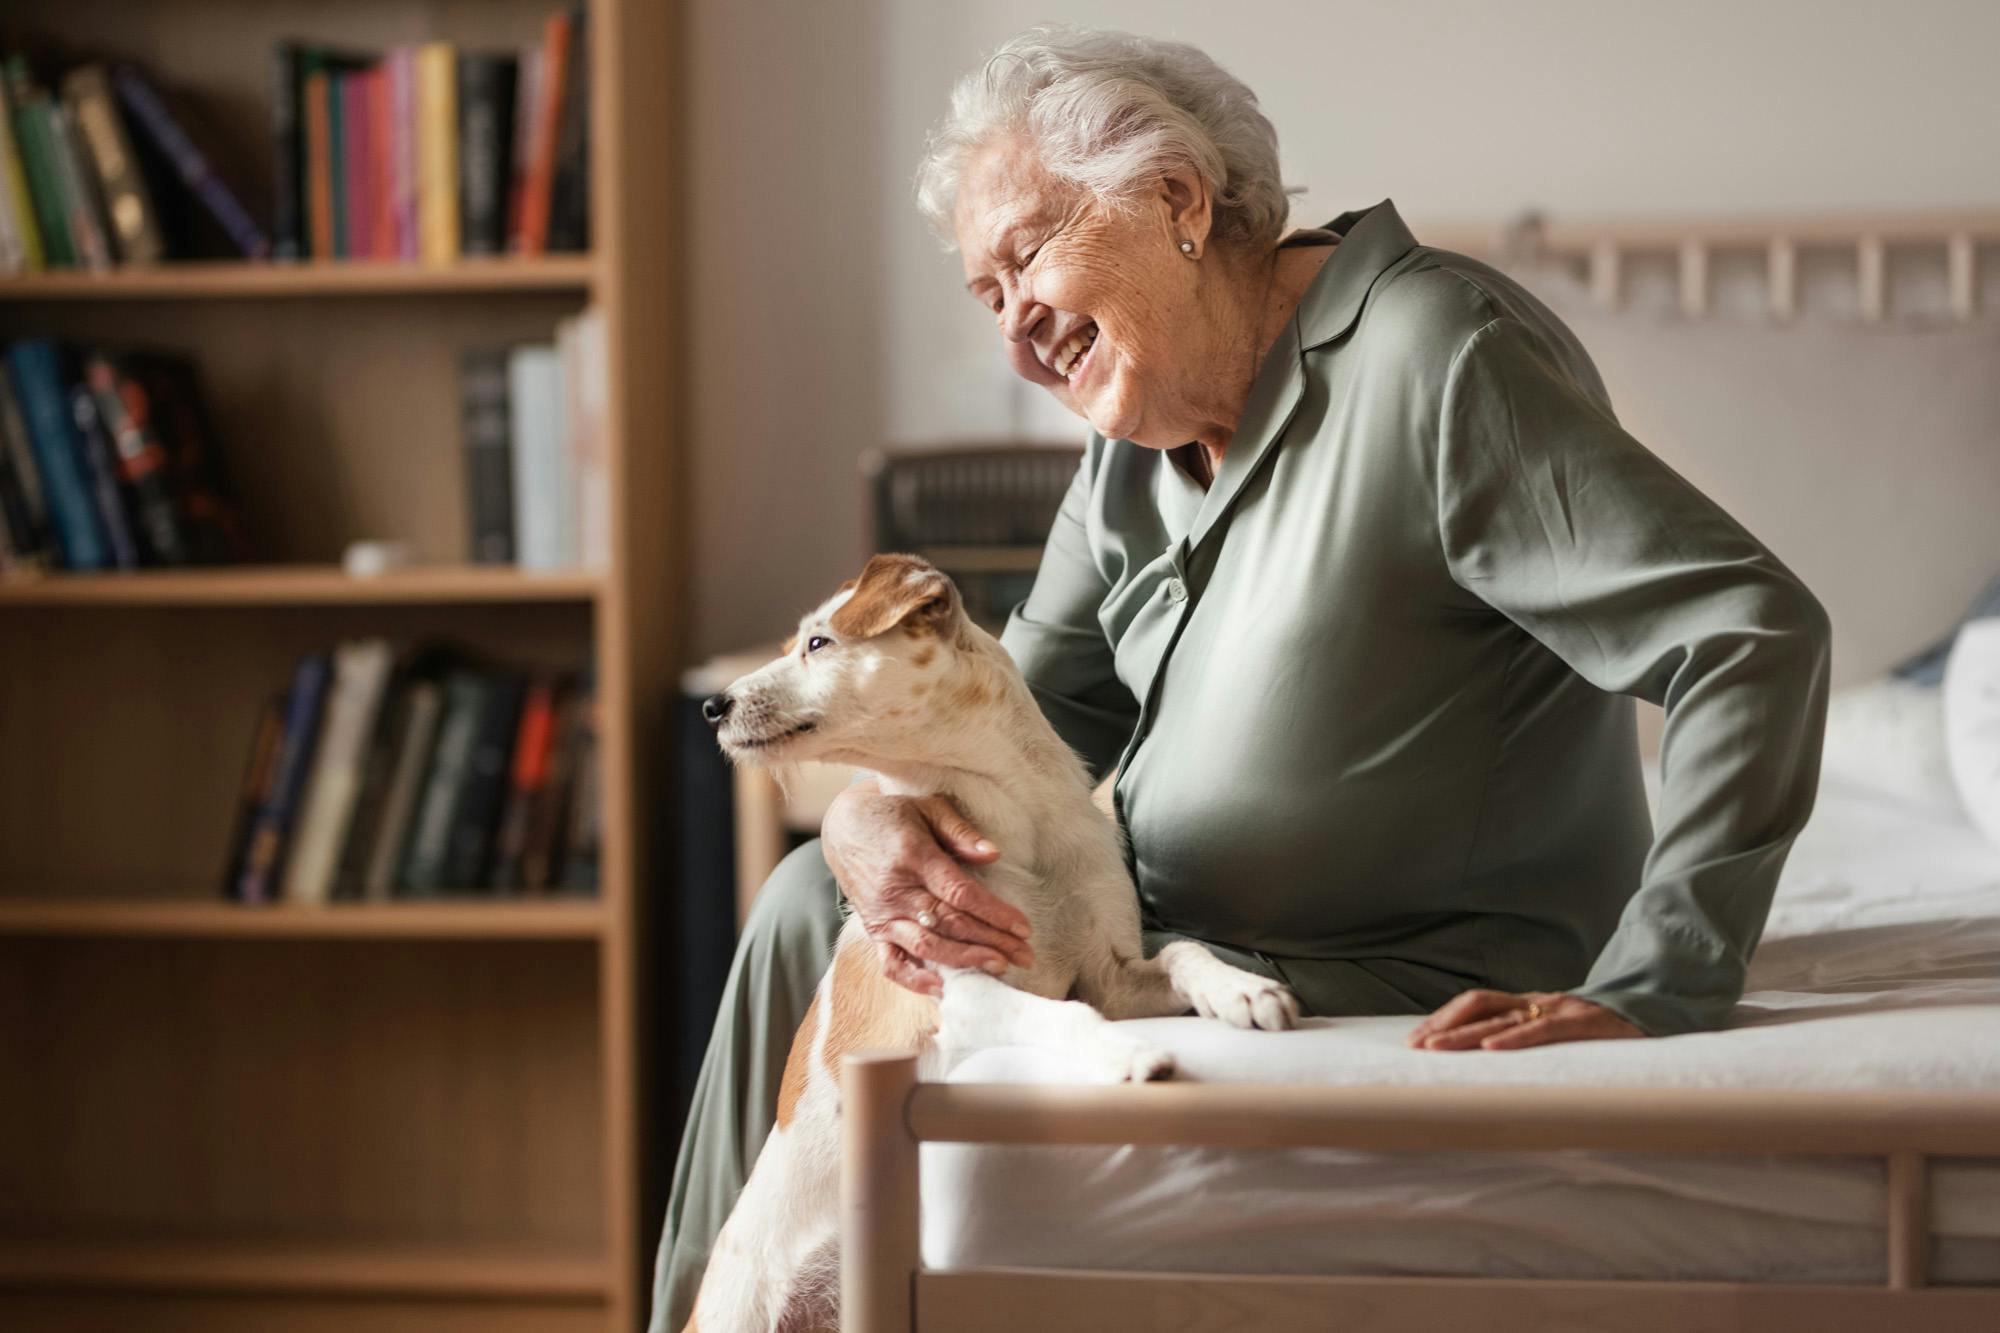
{"x": 1880, "y": 969}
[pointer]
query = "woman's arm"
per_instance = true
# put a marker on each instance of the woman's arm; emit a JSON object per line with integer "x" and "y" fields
{"x": 1557, "y": 518}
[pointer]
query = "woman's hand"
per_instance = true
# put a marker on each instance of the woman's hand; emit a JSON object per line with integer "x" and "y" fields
{"x": 1498, "y": 1021}
{"x": 897, "y": 859}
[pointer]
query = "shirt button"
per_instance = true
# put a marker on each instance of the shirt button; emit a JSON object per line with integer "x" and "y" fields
{"x": 1176, "y": 590}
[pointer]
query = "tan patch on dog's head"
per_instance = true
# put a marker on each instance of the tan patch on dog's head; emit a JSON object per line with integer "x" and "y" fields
{"x": 896, "y": 590}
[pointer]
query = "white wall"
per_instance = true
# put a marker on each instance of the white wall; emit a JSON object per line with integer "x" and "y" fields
{"x": 825, "y": 321}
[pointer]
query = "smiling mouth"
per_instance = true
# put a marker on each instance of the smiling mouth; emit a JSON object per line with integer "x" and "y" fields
{"x": 1074, "y": 351}
{"x": 775, "y": 738}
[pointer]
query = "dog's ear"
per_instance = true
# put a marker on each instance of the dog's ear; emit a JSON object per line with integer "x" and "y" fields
{"x": 896, "y": 590}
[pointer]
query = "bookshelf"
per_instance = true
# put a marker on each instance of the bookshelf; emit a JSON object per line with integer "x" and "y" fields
{"x": 404, "y": 1115}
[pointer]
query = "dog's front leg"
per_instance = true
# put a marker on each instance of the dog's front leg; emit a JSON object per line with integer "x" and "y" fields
{"x": 1186, "y": 976}
{"x": 978, "y": 1011}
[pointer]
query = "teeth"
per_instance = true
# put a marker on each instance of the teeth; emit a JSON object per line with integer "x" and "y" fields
{"x": 1072, "y": 351}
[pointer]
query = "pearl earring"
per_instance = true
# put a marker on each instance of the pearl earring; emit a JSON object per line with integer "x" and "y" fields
{"x": 1187, "y": 248}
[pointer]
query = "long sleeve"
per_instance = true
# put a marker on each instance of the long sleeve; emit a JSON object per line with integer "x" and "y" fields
{"x": 1554, "y": 516}
{"x": 1057, "y": 641}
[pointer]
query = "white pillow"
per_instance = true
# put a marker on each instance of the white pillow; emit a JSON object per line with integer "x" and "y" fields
{"x": 1972, "y": 721}
{"x": 1887, "y": 737}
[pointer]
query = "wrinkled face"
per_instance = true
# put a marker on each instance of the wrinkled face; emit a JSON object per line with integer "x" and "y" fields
{"x": 855, "y": 683}
{"x": 1097, "y": 305}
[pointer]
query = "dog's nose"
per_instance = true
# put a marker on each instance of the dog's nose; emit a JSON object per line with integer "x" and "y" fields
{"x": 716, "y": 707}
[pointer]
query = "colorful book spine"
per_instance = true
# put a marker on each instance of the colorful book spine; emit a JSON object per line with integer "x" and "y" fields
{"x": 100, "y": 469}
{"x": 14, "y": 199}
{"x": 255, "y": 789}
{"x": 542, "y": 168}
{"x": 29, "y": 114}
{"x": 36, "y": 364}
{"x": 569, "y": 188}
{"x": 315, "y": 104}
{"x": 437, "y": 152}
{"x": 527, "y": 97}
{"x": 152, "y": 117}
{"x": 81, "y": 209}
{"x": 357, "y": 165}
{"x": 401, "y": 69}
{"x": 263, "y": 865}
{"x": 381, "y": 165}
{"x": 141, "y": 460}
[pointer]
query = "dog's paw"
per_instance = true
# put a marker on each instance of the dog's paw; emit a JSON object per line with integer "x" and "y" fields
{"x": 1123, "y": 1060}
{"x": 1245, "y": 1000}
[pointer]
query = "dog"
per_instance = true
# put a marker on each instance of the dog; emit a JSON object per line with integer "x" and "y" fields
{"x": 890, "y": 675}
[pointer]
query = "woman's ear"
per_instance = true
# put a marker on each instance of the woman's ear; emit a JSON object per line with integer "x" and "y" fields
{"x": 1185, "y": 196}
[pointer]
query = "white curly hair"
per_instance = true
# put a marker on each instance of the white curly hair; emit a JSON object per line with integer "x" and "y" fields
{"x": 1112, "y": 112}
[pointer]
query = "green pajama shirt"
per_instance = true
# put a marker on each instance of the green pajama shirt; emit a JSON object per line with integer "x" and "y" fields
{"x": 1368, "y": 694}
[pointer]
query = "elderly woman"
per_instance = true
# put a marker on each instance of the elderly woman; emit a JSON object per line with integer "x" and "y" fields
{"x": 1350, "y": 592}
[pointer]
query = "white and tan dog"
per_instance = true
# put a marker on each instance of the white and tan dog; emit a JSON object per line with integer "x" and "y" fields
{"x": 890, "y": 675}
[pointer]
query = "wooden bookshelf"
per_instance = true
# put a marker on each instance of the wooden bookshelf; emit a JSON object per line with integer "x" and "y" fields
{"x": 299, "y": 585}
{"x": 445, "y": 918}
{"x": 404, "y": 1116}
{"x": 227, "y": 280}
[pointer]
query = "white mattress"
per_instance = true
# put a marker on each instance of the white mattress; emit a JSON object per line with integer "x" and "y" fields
{"x": 1880, "y": 969}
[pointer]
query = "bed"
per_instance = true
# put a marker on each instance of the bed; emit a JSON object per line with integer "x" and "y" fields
{"x": 1837, "y": 1147}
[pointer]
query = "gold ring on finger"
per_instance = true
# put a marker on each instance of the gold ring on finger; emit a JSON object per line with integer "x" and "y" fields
{"x": 1534, "y": 1012}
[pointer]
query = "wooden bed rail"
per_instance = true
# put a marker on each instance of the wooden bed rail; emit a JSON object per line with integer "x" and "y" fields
{"x": 887, "y": 1114}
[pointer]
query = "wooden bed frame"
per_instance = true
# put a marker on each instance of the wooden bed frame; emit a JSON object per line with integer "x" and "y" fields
{"x": 887, "y": 1113}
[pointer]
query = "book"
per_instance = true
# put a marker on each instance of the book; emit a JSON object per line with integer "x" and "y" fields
{"x": 156, "y": 123}
{"x": 381, "y": 165}
{"x": 371, "y": 797}
{"x": 527, "y": 777}
{"x": 584, "y": 840}
{"x": 586, "y": 397}
{"x": 485, "y": 150}
{"x": 88, "y": 233}
{"x": 423, "y": 867}
{"x": 128, "y": 205}
{"x": 29, "y": 117}
{"x": 360, "y": 675}
{"x": 547, "y": 825}
{"x": 315, "y": 111}
{"x": 255, "y": 789}
{"x": 400, "y": 79}
{"x": 527, "y": 97}
{"x": 544, "y": 497}
{"x": 100, "y": 469}
{"x": 422, "y": 706}
{"x": 23, "y": 508}
{"x": 353, "y": 167}
{"x": 437, "y": 152}
{"x": 264, "y": 858}
{"x": 482, "y": 793}
{"x": 36, "y": 366}
{"x": 140, "y": 459}
{"x": 569, "y": 186}
{"x": 548, "y": 115}
{"x": 165, "y": 391}
{"x": 489, "y": 465}
{"x": 17, "y": 209}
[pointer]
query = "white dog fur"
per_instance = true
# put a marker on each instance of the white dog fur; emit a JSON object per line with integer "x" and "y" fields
{"x": 891, "y": 676}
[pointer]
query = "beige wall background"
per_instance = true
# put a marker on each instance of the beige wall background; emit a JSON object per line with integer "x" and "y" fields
{"x": 826, "y": 321}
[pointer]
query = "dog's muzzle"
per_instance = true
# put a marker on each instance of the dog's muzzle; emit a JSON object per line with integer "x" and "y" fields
{"x": 715, "y": 708}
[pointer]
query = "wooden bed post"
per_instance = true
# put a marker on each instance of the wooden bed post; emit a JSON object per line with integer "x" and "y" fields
{"x": 878, "y": 1194}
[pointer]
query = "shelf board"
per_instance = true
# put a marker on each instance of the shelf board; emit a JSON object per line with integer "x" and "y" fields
{"x": 256, "y": 1265}
{"x": 298, "y": 585}
{"x": 225, "y": 279}
{"x": 439, "y": 919}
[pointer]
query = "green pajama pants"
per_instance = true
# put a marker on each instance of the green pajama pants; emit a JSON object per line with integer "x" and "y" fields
{"x": 786, "y": 945}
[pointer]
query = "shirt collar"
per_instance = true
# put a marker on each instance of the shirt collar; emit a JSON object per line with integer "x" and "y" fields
{"x": 1371, "y": 239}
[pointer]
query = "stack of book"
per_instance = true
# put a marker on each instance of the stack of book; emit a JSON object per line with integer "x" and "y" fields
{"x": 534, "y": 429}
{"x": 105, "y": 173}
{"x": 427, "y": 152}
{"x": 372, "y": 779}
{"x": 108, "y": 461}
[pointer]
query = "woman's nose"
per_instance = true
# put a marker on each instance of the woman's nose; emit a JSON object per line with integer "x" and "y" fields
{"x": 1020, "y": 319}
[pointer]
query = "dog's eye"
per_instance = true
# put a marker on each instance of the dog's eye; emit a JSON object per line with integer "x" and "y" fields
{"x": 817, "y": 642}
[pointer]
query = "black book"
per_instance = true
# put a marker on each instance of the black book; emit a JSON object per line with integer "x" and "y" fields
{"x": 489, "y": 461}
{"x": 429, "y": 842}
{"x": 485, "y": 150}
{"x": 23, "y": 508}
{"x": 476, "y": 813}
{"x": 124, "y": 412}
{"x": 583, "y": 844}
{"x": 569, "y": 192}
{"x": 100, "y": 472}
{"x": 259, "y": 775}
{"x": 168, "y": 389}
